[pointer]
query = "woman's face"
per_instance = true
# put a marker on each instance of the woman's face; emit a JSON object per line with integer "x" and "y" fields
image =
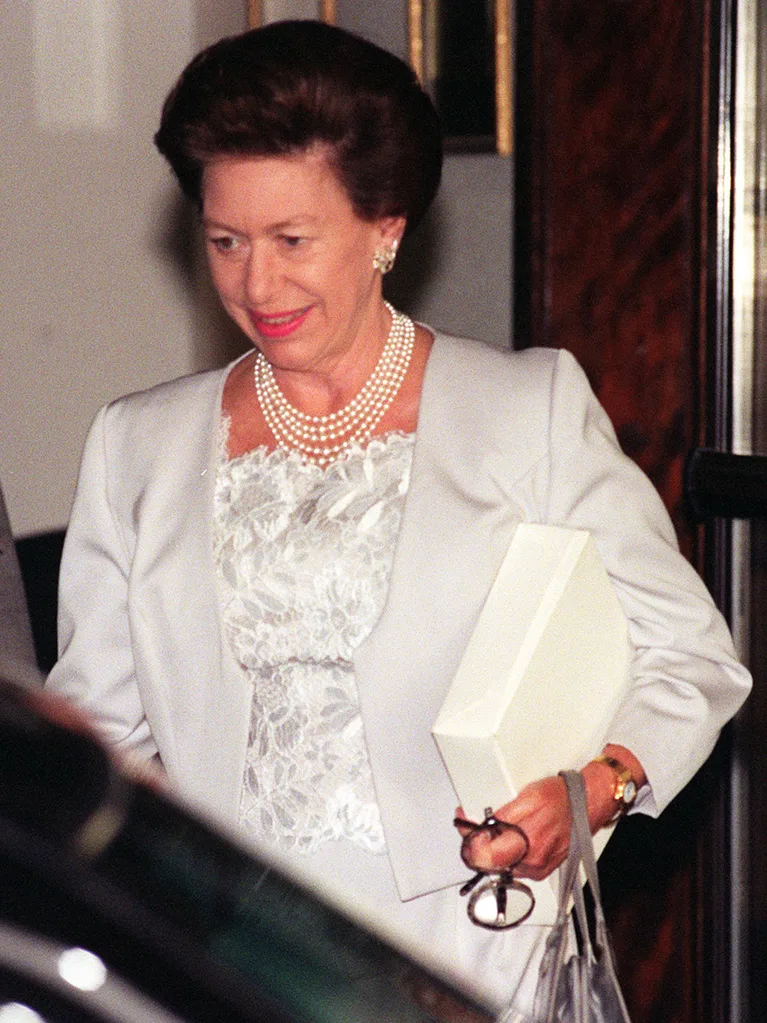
{"x": 291, "y": 260}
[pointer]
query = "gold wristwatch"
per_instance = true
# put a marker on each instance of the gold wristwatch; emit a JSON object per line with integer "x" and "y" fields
{"x": 625, "y": 791}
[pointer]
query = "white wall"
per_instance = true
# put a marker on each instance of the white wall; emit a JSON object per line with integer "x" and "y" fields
{"x": 102, "y": 290}
{"x": 455, "y": 273}
{"x": 93, "y": 300}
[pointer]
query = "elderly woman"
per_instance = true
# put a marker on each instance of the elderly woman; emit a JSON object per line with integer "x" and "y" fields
{"x": 272, "y": 570}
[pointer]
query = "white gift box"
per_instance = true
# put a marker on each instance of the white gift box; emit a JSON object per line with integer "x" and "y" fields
{"x": 541, "y": 678}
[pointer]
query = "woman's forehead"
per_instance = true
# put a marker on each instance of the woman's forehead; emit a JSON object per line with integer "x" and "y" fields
{"x": 278, "y": 188}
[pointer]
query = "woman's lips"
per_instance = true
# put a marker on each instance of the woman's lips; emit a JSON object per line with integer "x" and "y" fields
{"x": 277, "y": 325}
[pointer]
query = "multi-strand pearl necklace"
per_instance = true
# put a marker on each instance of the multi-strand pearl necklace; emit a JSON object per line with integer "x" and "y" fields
{"x": 321, "y": 439}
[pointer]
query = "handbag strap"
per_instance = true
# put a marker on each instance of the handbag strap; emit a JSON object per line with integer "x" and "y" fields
{"x": 557, "y": 941}
{"x": 576, "y": 791}
{"x": 581, "y": 834}
{"x": 581, "y": 853}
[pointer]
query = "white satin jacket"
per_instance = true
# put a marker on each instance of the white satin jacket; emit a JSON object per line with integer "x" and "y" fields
{"x": 502, "y": 438}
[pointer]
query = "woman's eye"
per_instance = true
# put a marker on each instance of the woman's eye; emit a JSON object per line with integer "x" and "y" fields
{"x": 223, "y": 243}
{"x": 292, "y": 241}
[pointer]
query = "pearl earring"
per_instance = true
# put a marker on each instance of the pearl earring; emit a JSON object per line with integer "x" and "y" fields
{"x": 383, "y": 258}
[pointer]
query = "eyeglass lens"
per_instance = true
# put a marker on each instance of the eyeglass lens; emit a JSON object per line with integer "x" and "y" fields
{"x": 500, "y": 903}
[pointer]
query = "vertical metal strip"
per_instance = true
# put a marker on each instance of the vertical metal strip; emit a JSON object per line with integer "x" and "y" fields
{"x": 745, "y": 185}
{"x": 415, "y": 36}
{"x": 504, "y": 129}
{"x": 744, "y": 188}
{"x": 255, "y": 14}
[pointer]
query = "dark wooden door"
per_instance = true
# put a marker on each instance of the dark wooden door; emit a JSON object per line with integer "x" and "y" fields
{"x": 615, "y": 252}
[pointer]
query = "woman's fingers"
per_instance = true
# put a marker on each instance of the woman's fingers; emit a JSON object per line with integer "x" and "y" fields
{"x": 480, "y": 850}
{"x": 542, "y": 812}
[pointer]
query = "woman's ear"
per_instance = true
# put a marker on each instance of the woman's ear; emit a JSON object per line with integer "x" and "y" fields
{"x": 392, "y": 229}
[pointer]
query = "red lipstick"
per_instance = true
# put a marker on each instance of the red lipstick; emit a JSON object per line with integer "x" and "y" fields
{"x": 278, "y": 325}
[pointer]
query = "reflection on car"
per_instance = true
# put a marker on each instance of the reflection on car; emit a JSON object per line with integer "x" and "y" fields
{"x": 118, "y": 904}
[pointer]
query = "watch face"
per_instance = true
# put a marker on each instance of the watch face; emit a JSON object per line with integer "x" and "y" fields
{"x": 629, "y": 793}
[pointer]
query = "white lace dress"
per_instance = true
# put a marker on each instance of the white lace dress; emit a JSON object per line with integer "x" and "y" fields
{"x": 304, "y": 554}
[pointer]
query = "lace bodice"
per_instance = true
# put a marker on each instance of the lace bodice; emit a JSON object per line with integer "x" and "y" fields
{"x": 305, "y": 555}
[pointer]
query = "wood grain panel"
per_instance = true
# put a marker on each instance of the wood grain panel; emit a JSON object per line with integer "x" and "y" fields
{"x": 614, "y": 159}
{"x": 611, "y": 113}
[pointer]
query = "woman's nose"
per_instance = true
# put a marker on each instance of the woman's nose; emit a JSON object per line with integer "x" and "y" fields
{"x": 261, "y": 276}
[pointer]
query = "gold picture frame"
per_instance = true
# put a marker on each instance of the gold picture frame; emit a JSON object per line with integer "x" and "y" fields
{"x": 475, "y": 102}
{"x": 326, "y": 11}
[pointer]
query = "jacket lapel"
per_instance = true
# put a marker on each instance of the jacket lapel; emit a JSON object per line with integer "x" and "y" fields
{"x": 175, "y": 581}
{"x": 454, "y": 533}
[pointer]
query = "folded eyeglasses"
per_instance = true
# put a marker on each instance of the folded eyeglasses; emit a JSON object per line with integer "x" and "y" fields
{"x": 498, "y": 900}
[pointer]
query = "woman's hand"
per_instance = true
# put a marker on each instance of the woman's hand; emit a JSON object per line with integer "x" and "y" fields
{"x": 542, "y": 811}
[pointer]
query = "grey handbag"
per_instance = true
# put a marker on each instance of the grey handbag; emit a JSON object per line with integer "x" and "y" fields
{"x": 584, "y": 987}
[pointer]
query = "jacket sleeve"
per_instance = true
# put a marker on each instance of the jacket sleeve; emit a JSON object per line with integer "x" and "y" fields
{"x": 95, "y": 669}
{"x": 687, "y": 678}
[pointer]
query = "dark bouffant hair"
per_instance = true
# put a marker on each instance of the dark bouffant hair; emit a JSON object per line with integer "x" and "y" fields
{"x": 289, "y": 86}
